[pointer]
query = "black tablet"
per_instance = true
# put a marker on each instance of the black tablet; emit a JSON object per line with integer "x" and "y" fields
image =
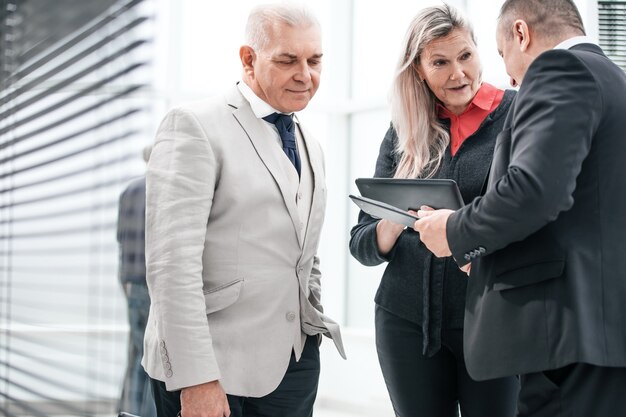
{"x": 410, "y": 194}
{"x": 381, "y": 210}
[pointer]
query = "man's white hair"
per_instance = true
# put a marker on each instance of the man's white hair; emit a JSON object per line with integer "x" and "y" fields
{"x": 262, "y": 19}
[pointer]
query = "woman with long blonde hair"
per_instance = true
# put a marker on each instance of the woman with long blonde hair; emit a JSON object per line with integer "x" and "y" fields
{"x": 444, "y": 125}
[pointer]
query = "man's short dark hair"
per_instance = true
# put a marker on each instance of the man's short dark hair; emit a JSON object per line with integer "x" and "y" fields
{"x": 547, "y": 18}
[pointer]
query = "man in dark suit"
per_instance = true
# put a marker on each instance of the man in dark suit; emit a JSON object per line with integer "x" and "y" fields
{"x": 547, "y": 289}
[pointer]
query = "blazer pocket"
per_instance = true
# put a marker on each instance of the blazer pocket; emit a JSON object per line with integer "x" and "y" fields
{"x": 535, "y": 259}
{"x": 220, "y": 297}
{"x": 528, "y": 274}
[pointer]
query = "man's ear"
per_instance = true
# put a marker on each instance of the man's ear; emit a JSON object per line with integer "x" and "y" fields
{"x": 521, "y": 34}
{"x": 247, "y": 56}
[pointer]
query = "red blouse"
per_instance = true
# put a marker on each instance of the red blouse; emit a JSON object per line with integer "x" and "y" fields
{"x": 464, "y": 125}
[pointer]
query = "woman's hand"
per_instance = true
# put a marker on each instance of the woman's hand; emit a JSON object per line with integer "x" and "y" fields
{"x": 387, "y": 232}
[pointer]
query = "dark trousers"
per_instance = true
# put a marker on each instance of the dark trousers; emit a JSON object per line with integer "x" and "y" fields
{"x": 294, "y": 396}
{"x": 136, "y": 393}
{"x": 576, "y": 390}
{"x": 435, "y": 386}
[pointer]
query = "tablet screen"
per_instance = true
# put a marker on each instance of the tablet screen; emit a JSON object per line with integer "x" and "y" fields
{"x": 410, "y": 194}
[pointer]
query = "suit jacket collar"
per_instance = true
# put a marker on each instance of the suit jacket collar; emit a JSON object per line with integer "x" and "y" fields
{"x": 573, "y": 41}
{"x": 259, "y": 107}
{"x": 589, "y": 47}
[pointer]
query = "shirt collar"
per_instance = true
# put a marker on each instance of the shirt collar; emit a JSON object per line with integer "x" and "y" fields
{"x": 576, "y": 40}
{"x": 259, "y": 107}
{"x": 483, "y": 99}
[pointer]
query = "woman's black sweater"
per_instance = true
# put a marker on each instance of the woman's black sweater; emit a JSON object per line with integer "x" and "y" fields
{"x": 416, "y": 285}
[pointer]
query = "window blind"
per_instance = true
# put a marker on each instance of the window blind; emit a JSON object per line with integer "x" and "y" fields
{"x": 612, "y": 30}
{"x": 73, "y": 120}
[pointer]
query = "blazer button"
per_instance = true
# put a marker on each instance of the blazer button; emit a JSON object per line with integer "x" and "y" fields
{"x": 482, "y": 249}
{"x": 467, "y": 257}
{"x": 169, "y": 373}
{"x": 162, "y": 344}
{"x": 291, "y": 316}
{"x": 167, "y": 365}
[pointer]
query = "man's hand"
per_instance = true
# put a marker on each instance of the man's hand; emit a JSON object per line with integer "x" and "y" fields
{"x": 204, "y": 400}
{"x": 432, "y": 229}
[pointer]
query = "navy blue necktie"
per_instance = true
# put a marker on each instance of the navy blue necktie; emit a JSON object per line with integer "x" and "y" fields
{"x": 286, "y": 129}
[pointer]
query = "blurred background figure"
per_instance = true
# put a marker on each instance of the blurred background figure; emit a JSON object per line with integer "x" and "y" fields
{"x": 136, "y": 393}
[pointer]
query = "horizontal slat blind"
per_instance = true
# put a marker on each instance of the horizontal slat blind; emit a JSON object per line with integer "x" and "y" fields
{"x": 73, "y": 121}
{"x": 612, "y": 30}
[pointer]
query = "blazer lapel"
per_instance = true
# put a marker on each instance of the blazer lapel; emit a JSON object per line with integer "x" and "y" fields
{"x": 501, "y": 152}
{"x": 317, "y": 169}
{"x": 262, "y": 143}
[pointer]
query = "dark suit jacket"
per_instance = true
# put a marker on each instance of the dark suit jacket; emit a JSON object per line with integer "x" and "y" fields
{"x": 548, "y": 285}
{"x": 131, "y": 232}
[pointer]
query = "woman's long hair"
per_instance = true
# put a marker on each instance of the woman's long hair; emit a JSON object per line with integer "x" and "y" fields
{"x": 422, "y": 141}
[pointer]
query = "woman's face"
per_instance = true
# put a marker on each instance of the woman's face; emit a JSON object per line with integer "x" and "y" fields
{"x": 451, "y": 68}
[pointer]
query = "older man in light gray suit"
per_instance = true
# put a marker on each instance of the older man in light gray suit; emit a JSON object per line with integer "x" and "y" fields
{"x": 232, "y": 231}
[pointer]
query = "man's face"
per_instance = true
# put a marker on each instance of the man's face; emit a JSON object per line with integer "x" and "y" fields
{"x": 510, "y": 52}
{"x": 286, "y": 74}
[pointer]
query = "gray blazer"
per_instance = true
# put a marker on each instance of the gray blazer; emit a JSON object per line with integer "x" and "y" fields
{"x": 231, "y": 249}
